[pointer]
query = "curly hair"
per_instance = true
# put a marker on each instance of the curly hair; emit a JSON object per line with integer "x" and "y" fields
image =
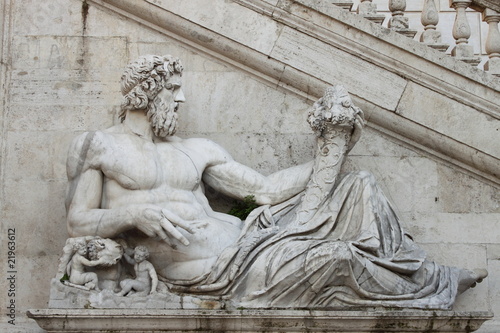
{"x": 142, "y": 249}
{"x": 333, "y": 108}
{"x": 143, "y": 79}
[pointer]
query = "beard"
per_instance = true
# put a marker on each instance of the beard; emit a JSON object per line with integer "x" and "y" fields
{"x": 163, "y": 117}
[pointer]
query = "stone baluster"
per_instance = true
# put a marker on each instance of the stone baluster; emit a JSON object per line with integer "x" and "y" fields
{"x": 492, "y": 41}
{"x": 461, "y": 33}
{"x": 345, "y": 4}
{"x": 368, "y": 10}
{"x": 430, "y": 19}
{"x": 398, "y": 22}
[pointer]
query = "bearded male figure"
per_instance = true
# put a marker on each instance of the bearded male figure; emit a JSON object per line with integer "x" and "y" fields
{"x": 318, "y": 239}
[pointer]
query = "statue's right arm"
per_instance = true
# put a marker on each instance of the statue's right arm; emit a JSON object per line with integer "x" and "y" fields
{"x": 83, "y": 202}
{"x": 83, "y": 198}
{"x": 128, "y": 258}
{"x": 91, "y": 263}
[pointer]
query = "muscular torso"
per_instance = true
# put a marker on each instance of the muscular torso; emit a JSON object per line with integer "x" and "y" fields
{"x": 142, "y": 272}
{"x": 168, "y": 175}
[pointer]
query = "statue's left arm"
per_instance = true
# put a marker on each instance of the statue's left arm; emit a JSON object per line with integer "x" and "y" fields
{"x": 238, "y": 181}
{"x": 154, "y": 278}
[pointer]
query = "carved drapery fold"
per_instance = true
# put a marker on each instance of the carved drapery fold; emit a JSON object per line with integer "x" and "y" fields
{"x": 398, "y": 22}
{"x": 492, "y": 41}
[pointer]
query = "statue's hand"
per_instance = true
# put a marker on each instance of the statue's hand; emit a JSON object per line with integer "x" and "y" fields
{"x": 359, "y": 123}
{"x": 157, "y": 222}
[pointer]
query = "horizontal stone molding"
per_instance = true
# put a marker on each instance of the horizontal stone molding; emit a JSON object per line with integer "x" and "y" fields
{"x": 399, "y": 61}
{"x": 482, "y": 4}
{"x": 274, "y": 320}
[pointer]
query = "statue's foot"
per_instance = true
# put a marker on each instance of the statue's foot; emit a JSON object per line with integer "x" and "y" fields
{"x": 469, "y": 278}
{"x": 90, "y": 285}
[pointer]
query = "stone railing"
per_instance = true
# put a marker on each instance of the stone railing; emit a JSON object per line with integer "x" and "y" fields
{"x": 430, "y": 35}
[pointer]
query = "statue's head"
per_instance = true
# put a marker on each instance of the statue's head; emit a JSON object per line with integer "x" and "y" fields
{"x": 141, "y": 253}
{"x": 335, "y": 107}
{"x": 152, "y": 83}
{"x": 107, "y": 250}
{"x": 80, "y": 247}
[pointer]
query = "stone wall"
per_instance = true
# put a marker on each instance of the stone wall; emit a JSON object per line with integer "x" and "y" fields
{"x": 61, "y": 63}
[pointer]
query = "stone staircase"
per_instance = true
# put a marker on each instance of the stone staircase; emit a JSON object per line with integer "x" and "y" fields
{"x": 408, "y": 90}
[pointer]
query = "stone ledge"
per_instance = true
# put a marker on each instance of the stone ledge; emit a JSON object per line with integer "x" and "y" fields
{"x": 256, "y": 320}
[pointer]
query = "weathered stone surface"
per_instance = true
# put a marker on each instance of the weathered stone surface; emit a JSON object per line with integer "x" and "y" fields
{"x": 421, "y": 105}
{"x": 28, "y": 203}
{"x": 493, "y": 295}
{"x": 468, "y": 228}
{"x": 257, "y": 321}
{"x": 315, "y": 56}
{"x": 486, "y": 4}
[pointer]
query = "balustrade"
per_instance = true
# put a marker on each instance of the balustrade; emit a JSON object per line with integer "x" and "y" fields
{"x": 430, "y": 19}
{"x": 462, "y": 32}
{"x": 430, "y": 16}
{"x": 368, "y": 10}
{"x": 398, "y": 21}
{"x": 492, "y": 41}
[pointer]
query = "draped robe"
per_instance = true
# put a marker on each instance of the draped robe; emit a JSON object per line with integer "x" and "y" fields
{"x": 352, "y": 252}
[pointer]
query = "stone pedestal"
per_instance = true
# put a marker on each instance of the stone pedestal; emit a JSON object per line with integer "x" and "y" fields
{"x": 255, "y": 320}
{"x": 493, "y": 66}
{"x": 369, "y": 11}
{"x": 465, "y": 53}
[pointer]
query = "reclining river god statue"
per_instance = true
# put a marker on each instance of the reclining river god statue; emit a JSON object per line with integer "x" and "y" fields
{"x": 319, "y": 238}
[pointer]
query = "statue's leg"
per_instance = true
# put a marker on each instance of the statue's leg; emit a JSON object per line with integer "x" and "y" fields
{"x": 90, "y": 280}
{"x": 126, "y": 286}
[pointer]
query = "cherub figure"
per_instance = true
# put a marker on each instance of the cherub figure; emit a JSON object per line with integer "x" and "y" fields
{"x": 145, "y": 281}
{"x": 76, "y": 267}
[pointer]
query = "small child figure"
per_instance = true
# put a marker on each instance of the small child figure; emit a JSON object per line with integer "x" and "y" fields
{"x": 146, "y": 280}
{"x": 76, "y": 268}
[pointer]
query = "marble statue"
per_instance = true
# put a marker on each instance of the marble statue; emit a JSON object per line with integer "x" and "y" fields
{"x": 146, "y": 280}
{"x": 318, "y": 238}
{"x": 82, "y": 252}
{"x": 76, "y": 270}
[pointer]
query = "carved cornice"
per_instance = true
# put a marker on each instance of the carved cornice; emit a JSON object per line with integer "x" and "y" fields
{"x": 402, "y": 59}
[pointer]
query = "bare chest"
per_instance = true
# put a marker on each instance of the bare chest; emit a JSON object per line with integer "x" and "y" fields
{"x": 141, "y": 165}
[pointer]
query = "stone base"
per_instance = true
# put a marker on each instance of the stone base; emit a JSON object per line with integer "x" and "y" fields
{"x": 493, "y": 66}
{"x": 256, "y": 320}
{"x": 439, "y": 47}
{"x": 378, "y": 19}
{"x": 345, "y": 4}
{"x": 410, "y": 33}
{"x": 465, "y": 53}
{"x": 67, "y": 297}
